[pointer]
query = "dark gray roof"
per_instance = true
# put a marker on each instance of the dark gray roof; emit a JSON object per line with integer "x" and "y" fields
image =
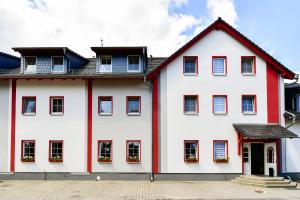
{"x": 263, "y": 131}
{"x": 153, "y": 63}
{"x": 293, "y": 85}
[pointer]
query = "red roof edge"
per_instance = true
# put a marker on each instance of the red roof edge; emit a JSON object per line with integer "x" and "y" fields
{"x": 220, "y": 24}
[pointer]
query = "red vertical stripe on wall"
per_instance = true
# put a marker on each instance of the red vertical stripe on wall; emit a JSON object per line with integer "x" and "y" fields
{"x": 155, "y": 126}
{"x": 13, "y": 126}
{"x": 272, "y": 95}
{"x": 89, "y": 125}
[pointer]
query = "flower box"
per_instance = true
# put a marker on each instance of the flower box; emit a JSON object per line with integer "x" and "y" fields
{"x": 133, "y": 159}
{"x": 28, "y": 159}
{"x": 56, "y": 159}
{"x": 191, "y": 159}
{"x": 225, "y": 160}
{"x": 104, "y": 159}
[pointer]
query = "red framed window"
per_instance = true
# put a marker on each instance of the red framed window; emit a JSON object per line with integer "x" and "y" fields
{"x": 104, "y": 151}
{"x": 56, "y": 148}
{"x": 249, "y": 105}
{"x": 220, "y": 104}
{"x": 190, "y": 104}
{"x": 219, "y": 65}
{"x": 133, "y": 151}
{"x": 29, "y": 105}
{"x": 105, "y": 105}
{"x": 190, "y": 65}
{"x": 28, "y": 151}
{"x": 133, "y": 105}
{"x": 56, "y": 105}
{"x": 248, "y": 65}
{"x": 220, "y": 151}
{"x": 191, "y": 151}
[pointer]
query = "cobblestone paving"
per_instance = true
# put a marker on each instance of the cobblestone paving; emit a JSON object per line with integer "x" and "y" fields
{"x": 131, "y": 190}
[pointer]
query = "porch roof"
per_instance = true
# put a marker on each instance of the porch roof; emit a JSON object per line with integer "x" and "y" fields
{"x": 263, "y": 131}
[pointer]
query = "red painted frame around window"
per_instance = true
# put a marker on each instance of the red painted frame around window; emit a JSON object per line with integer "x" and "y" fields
{"x": 254, "y": 63}
{"x": 212, "y": 65}
{"x": 226, "y": 145}
{"x": 23, "y": 103}
{"x": 140, "y": 103}
{"x": 197, "y": 150}
{"x": 226, "y": 105}
{"x": 50, "y": 148}
{"x": 111, "y": 151}
{"x": 112, "y": 103}
{"x": 190, "y": 57}
{"x": 22, "y": 151}
{"x": 140, "y": 158}
{"x": 51, "y": 104}
{"x": 255, "y": 101}
{"x": 197, "y": 101}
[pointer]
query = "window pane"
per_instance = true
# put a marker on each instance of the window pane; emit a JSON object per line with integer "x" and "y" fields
{"x": 219, "y": 104}
{"x": 29, "y": 105}
{"x": 218, "y": 66}
{"x": 189, "y": 65}
{"x": 133, "y": 105}
{"x": 57, "y": 64}
{"x": 219, "y": 150}
{"x": 105, "y": 105}
{"x": 190, "y": 104}
{"x": 57, "y": 105}
{"x": 248, "y": 104}
{"x": 247, "y": 65}
{"x": 133, "y": 63}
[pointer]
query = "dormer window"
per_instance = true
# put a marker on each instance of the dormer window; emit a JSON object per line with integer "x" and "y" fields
{"x": 106, "y": 65}
{"x": 30, "y": 64}
{"x": 58, "y": 64}
{"x": 133, "y": 64}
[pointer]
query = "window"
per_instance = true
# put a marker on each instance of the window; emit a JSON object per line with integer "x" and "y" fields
{"x": 104, "y": 151}
{"x": 190, "y": 65}
{"x": 134, "y": 105}
{"x": 56, "y": 105}
{"x": 249, "y": 104}
{"x": 191, "y": 104}
{"x": 191, "y": 152}
{"x": 133, "y": 64}
{"x": 105, "y": 105}
{"x": 58, "y": 64}
{"x": 220, "y": 104}
{"x": 248, "y": 65}
{"x": 30, "y": 64}
{"x": 29, "y": 105}
{"x": 246, "y": 154}
{"x": 56, "y": 151}
{"x": 270, "y": 155}
{"x": 220, "y": 151}
{"x": 219, "y": 65}
{"x": 133, "y": 151}
{"x": 28, "y": 151}
{"x": 105, "y": 64}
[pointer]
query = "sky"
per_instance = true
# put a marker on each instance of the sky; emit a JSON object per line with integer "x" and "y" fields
{"x": 161, "y": 25}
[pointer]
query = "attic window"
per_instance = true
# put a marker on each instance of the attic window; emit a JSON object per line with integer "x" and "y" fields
{"x": 30, "y": 64}
{"x": 106, "y": 65}
{"x": 133, "y": 64}
{"x": 58, "y": 64}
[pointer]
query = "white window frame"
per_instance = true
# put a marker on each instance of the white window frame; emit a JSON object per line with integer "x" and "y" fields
{"x": 128, "y": 64}
{"x": 57, "y": 72}
{"x": 100, "y": 64}
{"x": 100, "y": 99}
{"x": 51, "y": 106}
{"x": 25, "y": 65}
{"x": 253, "y": 105}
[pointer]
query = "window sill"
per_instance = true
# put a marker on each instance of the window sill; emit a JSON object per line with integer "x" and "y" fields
{"x": 105, "y": 114}
{"x": 55, "y": 161}
{"x": 191, "y": 113}
{"x": 191, "y": 161}
{"x": 221, "y": 113}
{"x": 105, "y": 161}
{"x": 133, "y": 162}
{"x": 249, "y": 113}
{"x": 58, "y": 72}
{"x": 104, "y": 72}
{"x": 28, "y": 161}
{"x": 29, "y": 114}
{"x": 220, "y": 74}
{"x": 133, "y": 114}
{"x": 222, "y": 161}
{"x": 27, "y": 72}
{"x": 190, "y": 74}
{"x": 248, "y": 74}
{"x": 137, "y": 71}
{"x": 56, "y": 114}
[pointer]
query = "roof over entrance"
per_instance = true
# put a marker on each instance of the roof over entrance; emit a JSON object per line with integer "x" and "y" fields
{"x": 263, "y": 131}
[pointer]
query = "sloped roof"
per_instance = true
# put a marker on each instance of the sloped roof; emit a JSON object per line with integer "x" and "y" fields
{"x": 220, "y": 24}
{"x": 154, "y": 62}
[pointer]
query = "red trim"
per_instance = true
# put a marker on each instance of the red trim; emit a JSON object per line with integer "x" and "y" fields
{"x": 50, "y": 148}
{"x": 155, "y": 126}
{"x": 278, "y": 152}
{"x": 226, "y": 144}
{"x": 89, "y": 125}
{"x": 213, "y": 102}
{"x": 255, "y": 101}
{"x": 23, "y": 103}
{"x": 13, "y": 125}
{"x": 242, "y": 144}
{"x": 225, "y": 63}
{"x": 140, "y": 158}
{"x": 272, "y": 95}
{"x": 190, "y": 57}
{"x": 134, "y": 97}
{"x": 197, "y": 101}
{"x": 222, "y": 25}
{"x": 191, "y": 141}
{"x": 106, "y": 97}
{"x": 22, "y": 143}
{"x": 56, "y": 97}
{"x": 111, "y": 150}
{"x": 254, "y": 63}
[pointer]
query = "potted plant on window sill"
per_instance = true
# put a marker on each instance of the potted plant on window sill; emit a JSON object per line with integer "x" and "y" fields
{"x": 133, "y": 159}
{"x": 56, "y": 159}
{"x": 191, "y": 159}
{"x": 104, "y": 159}
{"x": 28, "y": 159}
{"x": 222, "y": 160}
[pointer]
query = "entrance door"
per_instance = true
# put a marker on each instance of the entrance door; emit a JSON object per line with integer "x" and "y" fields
{"x": 247, "y": 158}
{"x": 257, "y": 158}
{"x": 270, "y": 159}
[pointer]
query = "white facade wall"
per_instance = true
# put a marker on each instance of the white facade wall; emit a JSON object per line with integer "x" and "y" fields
{"x": 293, "y": 150}
{"x": 175, "y": 126}
{"x": 119, "y": 127}
{"x": 71, "y": 127}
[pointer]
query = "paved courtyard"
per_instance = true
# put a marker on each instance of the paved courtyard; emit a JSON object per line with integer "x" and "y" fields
{"x": 125, "y": 190}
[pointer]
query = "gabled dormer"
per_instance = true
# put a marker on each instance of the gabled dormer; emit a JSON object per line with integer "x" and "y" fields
{"x": 9, "y": 61}
{"x": 120, "y": 60}
{"x": 45, "y": 60}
